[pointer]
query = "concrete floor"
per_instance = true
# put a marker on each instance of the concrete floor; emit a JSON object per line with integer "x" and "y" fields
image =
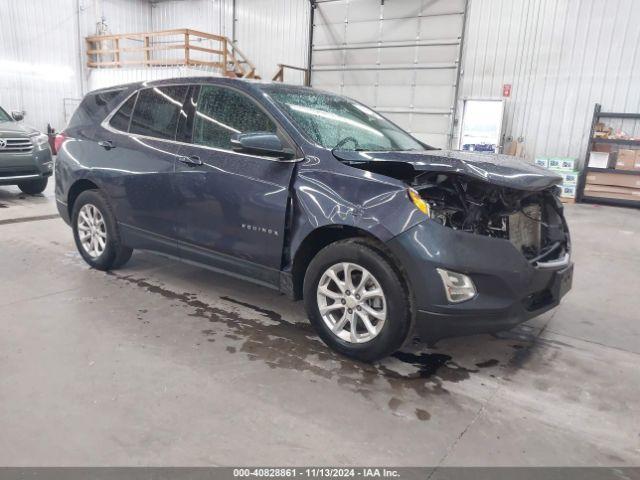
{"x": 162, "y": 363}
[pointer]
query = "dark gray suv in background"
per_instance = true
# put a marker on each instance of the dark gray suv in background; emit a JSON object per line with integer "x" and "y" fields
{"x": 25, "y": 155}
{"x": 319, "y": 197}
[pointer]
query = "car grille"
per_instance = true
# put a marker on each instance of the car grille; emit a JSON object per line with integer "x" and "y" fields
{"x": 15, "y": 145}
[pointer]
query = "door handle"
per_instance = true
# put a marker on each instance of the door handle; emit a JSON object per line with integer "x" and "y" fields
{"x": 191, "y": 160}
{"x": 106, "y": 144}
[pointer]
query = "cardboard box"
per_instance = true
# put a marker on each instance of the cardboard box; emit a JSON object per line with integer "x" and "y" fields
{"x": 636, "y": 165}
{"x": 599, "y": 159}
{"x": 542, "y": 162}
{"x": 568, "y": 191}
{"x": 603, "y": 147}
{"x": 613, "y": 179}
{"x": 568, "y": 164}
{"x": 569, "y": 178}
{"x": 626, "y": 159}
{"x": 555, "y": 163}
{"x": 611, "y": 189}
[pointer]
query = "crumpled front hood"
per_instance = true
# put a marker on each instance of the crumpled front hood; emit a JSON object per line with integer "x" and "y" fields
{"x": 497, "y": 169}
{"x": 8, "y": 129}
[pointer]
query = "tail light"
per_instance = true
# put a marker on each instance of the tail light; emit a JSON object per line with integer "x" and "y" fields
{"x": 57, "y": 144}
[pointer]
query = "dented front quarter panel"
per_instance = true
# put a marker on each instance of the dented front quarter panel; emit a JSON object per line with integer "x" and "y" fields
{"x": 328, "y": 193}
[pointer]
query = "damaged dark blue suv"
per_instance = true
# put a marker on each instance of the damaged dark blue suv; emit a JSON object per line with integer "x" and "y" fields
{"x": 319, "y": 197}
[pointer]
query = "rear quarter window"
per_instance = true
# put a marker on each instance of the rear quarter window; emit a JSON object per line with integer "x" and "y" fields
{"x": 95, "y": 107}
{"x": 122, "y": 118}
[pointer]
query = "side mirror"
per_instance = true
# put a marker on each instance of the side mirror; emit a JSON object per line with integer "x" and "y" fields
{"x": 17, "y": 116}
{"x": 260, "y": 143}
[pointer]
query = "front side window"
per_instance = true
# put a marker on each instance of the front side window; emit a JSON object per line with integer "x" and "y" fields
{"x": 4, "y": 116}
{"x": 337, "y": 122}
{"x": 122, "y": 118}
{"x": 222, "y": 112}
{"x": 157, "y": 111}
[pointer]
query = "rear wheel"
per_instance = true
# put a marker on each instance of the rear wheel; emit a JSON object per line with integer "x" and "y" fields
{"x": 96, "y": 234}
{"x": 34, "y": 187}
{"x": 356, "y": 300}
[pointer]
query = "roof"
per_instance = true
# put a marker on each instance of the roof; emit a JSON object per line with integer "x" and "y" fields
{"x": 246, "y": 84}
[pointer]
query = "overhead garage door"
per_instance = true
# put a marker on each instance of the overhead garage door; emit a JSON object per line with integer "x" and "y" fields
{"x": 398, "y": 56}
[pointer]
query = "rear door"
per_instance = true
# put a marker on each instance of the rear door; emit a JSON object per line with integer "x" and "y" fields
{"x": 232, "y": 206}
{"x": 141, "y": 149}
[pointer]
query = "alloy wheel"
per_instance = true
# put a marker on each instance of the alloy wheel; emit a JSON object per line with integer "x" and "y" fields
{"x": 92, "y": 230}
{"x": 352, "y": 303}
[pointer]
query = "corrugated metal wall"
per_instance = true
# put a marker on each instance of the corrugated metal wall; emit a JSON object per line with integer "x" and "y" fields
{"x": 107, "y": 77}
{"x": 39, "y": 64}
{"x": 211, "y": 16}
{"x": 274, "y": 31}
{"x": 40, "y": 41}
{"x": 42, "y": 49}
{"x": 561, "y": 57}
{"x": 267, "y": 31}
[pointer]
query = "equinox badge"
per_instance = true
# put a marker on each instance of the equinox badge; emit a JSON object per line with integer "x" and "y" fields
{"x": 255, "y": 228}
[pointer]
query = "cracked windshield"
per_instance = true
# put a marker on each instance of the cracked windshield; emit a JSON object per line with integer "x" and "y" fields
{"x": 339, "y": 123}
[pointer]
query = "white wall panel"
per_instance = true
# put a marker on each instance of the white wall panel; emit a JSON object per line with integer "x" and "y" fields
{"x": 561, "y": 57}
{"x": 211, "y": 16}
{"x": 121, "y": 16}
{"x": 274, "y": 31}
{"x": 42, "y": 48}
{"x": 108, "y": 77}
{"x": 41, "y": 64}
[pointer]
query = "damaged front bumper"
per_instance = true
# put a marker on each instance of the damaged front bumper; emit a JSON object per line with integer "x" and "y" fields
{"x": 510, "y": 290}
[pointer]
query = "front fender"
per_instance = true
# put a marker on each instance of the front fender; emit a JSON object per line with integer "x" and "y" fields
{"x": 347, "y": 196}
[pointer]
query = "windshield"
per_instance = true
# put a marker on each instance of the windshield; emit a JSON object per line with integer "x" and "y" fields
{"x": 339, "y": 123}
{"x": 4, "y": 116}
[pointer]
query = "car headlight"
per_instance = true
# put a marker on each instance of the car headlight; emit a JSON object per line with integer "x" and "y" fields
{"x": 417, "y": 200}
{"x": 40, "y": 140}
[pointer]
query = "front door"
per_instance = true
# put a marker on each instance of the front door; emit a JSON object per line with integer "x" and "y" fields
{"x": 231, "y": 206}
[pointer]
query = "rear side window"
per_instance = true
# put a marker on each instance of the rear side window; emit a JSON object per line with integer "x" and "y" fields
{"x": 223, "y": 112}
{"x": 120, "y": 121}
{"x": 94, "y": 107}
{"x": 103, "y": 98}
{"x": 157, "y": 111}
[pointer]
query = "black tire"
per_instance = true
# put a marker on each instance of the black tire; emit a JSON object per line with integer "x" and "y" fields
{"x": 34, "y": 187}
{"x": 398, "y": 321}
{"x": 115, "y": 254}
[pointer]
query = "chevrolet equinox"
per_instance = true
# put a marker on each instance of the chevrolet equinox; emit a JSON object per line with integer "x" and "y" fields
{"x": 319, "y": 197}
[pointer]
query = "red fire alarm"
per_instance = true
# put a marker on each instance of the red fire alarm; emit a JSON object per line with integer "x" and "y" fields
{"x": 506, "y": 90}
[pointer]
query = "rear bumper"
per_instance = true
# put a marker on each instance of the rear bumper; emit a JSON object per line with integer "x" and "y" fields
{"x": 509, "y": 290}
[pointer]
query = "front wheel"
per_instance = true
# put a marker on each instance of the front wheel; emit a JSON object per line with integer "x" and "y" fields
{"x": 34, "y": 187}
{"x": 356, "y": 300}
{"x": 96, "y": 234}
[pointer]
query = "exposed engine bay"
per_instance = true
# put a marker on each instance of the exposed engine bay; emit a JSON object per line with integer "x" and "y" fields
{"x": 495, "y": 195}
{"x": 531, "y": 220}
